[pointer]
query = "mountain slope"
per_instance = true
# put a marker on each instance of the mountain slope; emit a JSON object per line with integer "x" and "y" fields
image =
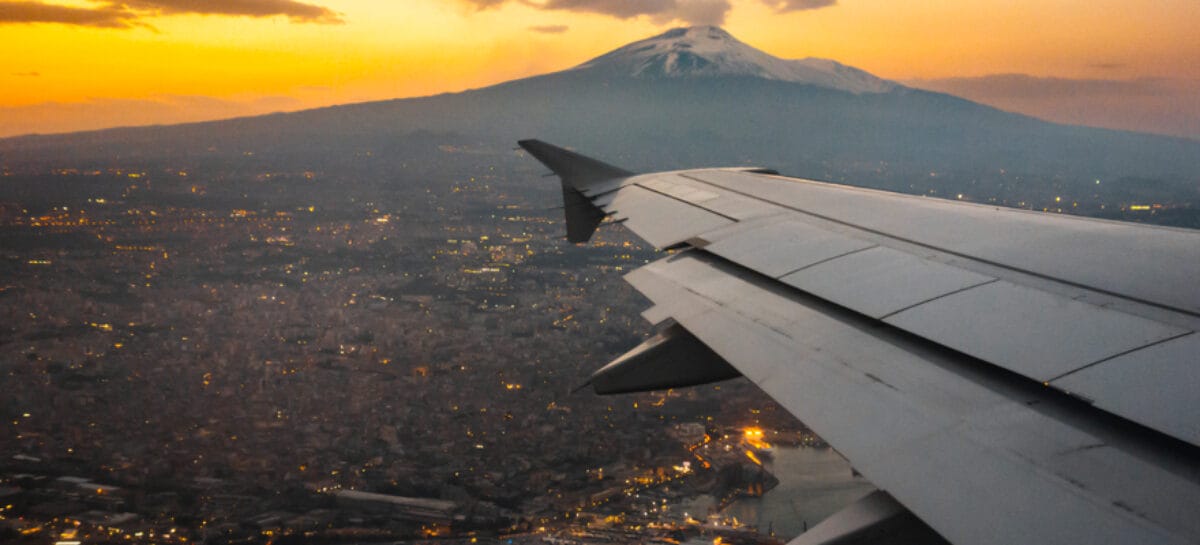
{"x": 736, "y": 109}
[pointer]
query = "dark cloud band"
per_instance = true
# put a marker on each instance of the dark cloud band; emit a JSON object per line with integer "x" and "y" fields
{"x": 696, "y": 12}
{"x": 131, "y": 13}
{"x": 549, "y": 29}
{"x": 799, "y": 5}
{"x": 291, "y": 9}
{"x": 38, "y": 12}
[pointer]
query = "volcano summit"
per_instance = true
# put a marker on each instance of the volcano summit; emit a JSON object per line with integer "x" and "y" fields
{"x": 708, "y": 51}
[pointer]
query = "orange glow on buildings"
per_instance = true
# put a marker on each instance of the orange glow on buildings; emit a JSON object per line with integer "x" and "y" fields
{"x": 753, "y": 436}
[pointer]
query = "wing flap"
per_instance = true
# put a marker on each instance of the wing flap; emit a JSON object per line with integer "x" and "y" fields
{"x": 881, "y": 281}
{"x": 1037, "y": 334}
{"x": 1024, "y": 464}
{"x": 1155, "y": 385}
{"x": 777, "y": 245}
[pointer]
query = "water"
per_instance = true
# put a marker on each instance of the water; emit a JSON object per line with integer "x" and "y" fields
{"x": 813, "y": 484}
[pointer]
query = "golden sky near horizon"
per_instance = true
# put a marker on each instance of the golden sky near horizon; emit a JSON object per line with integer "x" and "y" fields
{"x": 146, "y": 61}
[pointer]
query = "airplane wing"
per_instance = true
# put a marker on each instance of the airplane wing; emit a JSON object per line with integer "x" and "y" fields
{"x": 1005, "y": 376}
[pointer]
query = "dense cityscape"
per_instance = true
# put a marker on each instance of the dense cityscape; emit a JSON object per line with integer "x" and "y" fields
{"x": 394, "y": 364}
{"x": 373, "y": 351}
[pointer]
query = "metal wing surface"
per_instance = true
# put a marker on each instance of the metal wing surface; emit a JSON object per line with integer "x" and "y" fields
{"x": 1006, "y": 376}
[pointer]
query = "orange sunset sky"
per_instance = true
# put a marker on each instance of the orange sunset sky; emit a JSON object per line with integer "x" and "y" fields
{"x": 84, "y": 64}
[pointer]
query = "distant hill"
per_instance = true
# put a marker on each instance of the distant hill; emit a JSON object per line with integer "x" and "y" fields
{"x": 695, "y": 97}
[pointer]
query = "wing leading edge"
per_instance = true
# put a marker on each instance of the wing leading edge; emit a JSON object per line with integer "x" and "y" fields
{"x": 962, "y": 357}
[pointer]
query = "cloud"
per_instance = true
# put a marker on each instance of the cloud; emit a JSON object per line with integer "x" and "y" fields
{"x": 549, "y": 29}
{"x": 1158, "y": 105}
{"x": 623, "y": 9}
{"x": 131, "y": 13}
{"x": 108, "y": 16}
{"x": 702, "y": 12}
{"x": 484, "y": 4}
{"x": 693, "y": 12}
{"x": 296, "y": 11}
{"x": 798, "y": 5}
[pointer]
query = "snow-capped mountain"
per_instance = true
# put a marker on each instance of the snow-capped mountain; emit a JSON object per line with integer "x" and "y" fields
{"x": 688, "y": 98}
{"x": 708, "y": 51}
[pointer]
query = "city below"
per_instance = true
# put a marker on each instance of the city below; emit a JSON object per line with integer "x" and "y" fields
{"x": 356, "y": 354}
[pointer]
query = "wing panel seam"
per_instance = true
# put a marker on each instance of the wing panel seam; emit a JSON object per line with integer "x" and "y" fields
{"x": 1117, "y": 355}
{"x": 827, "y": 260}
{"x": 689, "y": 203}
{"x": 932, "y": 299}
{"x": 952, "y": 252}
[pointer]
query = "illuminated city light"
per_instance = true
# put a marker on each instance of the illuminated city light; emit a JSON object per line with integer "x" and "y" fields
{"x": 753, "y": 436}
